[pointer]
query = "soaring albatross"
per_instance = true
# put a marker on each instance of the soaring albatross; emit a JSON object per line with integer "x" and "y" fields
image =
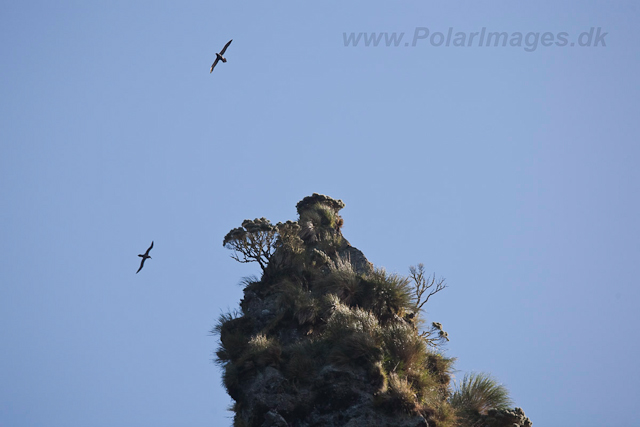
{"x": 219, "y": 56}
{"x": 144, "y": 257}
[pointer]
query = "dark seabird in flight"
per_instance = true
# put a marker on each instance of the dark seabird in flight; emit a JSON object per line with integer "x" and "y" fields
{"x": 144, "y": 257}
{"x": 219, "y": 56}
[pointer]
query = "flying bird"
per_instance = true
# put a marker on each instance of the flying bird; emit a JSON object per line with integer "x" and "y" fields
{"x": 144, "y": 257}
{"x": 219, "y": 56}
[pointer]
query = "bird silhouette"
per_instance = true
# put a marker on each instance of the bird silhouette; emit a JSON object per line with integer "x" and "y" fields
{"x": 144, "y": 257}
{"x": 219, "y": 56}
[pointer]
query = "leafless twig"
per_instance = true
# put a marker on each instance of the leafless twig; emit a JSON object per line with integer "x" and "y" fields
{"x": 425, "y": 285}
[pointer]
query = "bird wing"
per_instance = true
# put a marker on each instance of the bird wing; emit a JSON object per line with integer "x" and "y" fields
{"x": 225, "y": 47}
{"x": 213, "y": 65}
{"x": 150, "y": 247}
{"x": 141, "y": 265}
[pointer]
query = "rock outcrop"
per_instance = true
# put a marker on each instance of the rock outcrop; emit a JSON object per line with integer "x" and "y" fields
{"x": 506, "y": 418}
{"x": 323, "y": 339}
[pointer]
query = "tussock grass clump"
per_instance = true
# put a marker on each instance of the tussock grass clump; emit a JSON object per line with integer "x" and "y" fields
{"x": 357, "y": 348}
{"x": 475, "y": 395}
{"x": 385, "y": 294}
{"x": 353, "y": 335}
{"x": 399, "y": 395}
{"x": 248, "y": 281}
{"x": 235, "y": 332}
{"x": 316, "y": 222}
{"x": 415, "y": 375}
{"x": 231, "y": 380}
{"x": 341, "y": 280}
{"x": 263, "y": 351}
{"x": 320, "y": 225}
{"x": 441, "y": 367}
{"x": 320, "y": 215}
{"x": 378, "y": 376}
{"x": 442, "y": 414}
{"x": 307, "y": 312}
{"x": 425, "y": 385}
{"x": 253, "y": 284}
{"x": 417, "y": 392}
{"x": 318, "y": 258}
{"x": 345, "y": 320}
{"x": 297, "y": 302}
{"x": 406, "y": 351}
{"x": 302, "y": 359}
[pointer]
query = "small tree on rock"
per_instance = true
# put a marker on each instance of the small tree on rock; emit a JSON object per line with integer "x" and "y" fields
{"x": 253, "y": 242}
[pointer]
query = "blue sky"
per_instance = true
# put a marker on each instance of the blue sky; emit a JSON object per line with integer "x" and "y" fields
{"x": 512, "y": 174}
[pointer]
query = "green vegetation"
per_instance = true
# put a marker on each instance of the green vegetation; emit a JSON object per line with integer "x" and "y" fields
{"x": 316, "y": 318}
{"x": 476, "y": 395}
{"x": 253, "y": 242}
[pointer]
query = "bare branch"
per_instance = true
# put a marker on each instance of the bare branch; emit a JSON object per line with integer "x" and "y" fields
{"x": 425, "y": 284}
{"x": 425, "y": 287}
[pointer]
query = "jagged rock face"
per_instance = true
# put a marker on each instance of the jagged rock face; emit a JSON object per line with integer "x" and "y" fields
{"x": 294, "y": 389}
{"x": 325, "y": 340}
{"x": 301, "y": 356}
{"x": 336, "y": 398}
{"x": 506, "y": 418}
